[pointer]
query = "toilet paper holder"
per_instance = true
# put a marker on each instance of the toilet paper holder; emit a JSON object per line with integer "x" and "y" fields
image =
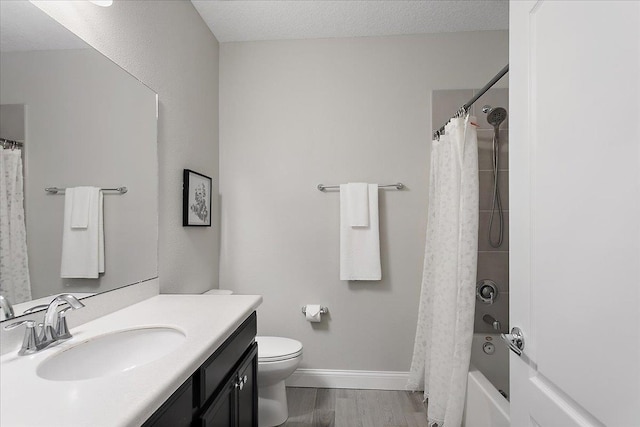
{"x": 323, "y": 310}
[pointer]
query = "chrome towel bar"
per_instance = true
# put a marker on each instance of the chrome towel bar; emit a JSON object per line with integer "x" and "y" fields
{"x": 397, "y": 186}
{"x": 56, "y": 190}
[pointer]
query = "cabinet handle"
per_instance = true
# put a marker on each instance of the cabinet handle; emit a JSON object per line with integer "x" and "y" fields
{"x": 241, "y": 382}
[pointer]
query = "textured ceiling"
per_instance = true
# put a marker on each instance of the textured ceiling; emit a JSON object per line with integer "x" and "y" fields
{"x": 24, "y": 27}
{"x": 235, "y": 20}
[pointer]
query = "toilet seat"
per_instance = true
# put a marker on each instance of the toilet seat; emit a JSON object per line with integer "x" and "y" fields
{"x": 276, "y": 349}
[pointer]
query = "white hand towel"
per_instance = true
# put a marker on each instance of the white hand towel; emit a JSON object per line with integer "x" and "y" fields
{"x": 359, "y": 246}
{"x": 358, "y": 204}
{"x": 80, "y": 202}
{"x": 83, "y": 248}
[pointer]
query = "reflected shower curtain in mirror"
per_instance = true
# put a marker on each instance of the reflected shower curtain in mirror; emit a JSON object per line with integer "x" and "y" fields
{"x": 442, "y": 347}
{"x": 14, "y": 265}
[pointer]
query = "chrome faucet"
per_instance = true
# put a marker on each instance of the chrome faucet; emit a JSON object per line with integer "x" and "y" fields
{"x": 487, "y": 318}
{"x": 54, "y": 329}
{"x": 7, "y": 309}
{"x": 55, "y": 323}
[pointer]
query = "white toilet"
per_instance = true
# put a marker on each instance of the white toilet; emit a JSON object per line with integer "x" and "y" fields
{"x": 278, "y": 358}
{"x": 218, "y": 292}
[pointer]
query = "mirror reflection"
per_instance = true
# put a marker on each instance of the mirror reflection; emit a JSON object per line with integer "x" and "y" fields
{"x": 71, "y": 119}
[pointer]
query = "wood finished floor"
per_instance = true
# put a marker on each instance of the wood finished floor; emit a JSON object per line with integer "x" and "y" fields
{"x": 328, "y": 407}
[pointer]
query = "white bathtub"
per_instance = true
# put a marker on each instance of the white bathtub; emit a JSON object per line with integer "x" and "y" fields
{"x": 485, "y": 406}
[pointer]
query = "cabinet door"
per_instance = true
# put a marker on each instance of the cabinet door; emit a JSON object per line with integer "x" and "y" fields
{"x": 221, "y": 412}
{"x": 248, "y": 394}
{"x": 177, "y": 411}
{"x": 216, "y": 370}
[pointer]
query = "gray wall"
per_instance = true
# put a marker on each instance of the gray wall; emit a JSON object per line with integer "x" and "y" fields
{"x": 12, "y": 121}
{"x": 298, "y": 113}
{"x": 87, "y": 123}
{"x": 167, "y": 46}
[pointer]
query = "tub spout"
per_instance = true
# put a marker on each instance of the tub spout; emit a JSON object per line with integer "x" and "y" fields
{"x": 487, "y": 318}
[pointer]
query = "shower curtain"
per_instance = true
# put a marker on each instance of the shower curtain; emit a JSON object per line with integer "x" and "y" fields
{"x": 442, "y": 347}
{"x": 14, "y": 268}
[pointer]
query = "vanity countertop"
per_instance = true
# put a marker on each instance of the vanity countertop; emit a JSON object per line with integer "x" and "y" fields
{"x": 127, "y": 398}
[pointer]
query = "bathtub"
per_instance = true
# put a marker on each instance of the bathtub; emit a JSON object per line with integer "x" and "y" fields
{"x": 485, "y": 405}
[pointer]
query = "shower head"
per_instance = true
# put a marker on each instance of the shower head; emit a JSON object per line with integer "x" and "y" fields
{"x": 495, "y": 115}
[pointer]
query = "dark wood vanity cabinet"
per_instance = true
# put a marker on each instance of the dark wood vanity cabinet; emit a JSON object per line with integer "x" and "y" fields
{"x": 237, "y": 403}
{"x": 223, "y": 392}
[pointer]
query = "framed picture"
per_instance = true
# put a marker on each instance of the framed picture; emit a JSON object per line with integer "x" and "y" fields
{"x": 196, "y": 199}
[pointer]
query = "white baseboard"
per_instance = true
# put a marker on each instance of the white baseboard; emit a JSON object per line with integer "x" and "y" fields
{"x": 367, "y": 380}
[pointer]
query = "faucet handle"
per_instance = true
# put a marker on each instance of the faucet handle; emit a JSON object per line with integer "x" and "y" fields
{"x": 30, "y": 343}
{"x": 35, "y": 308}
{"x": 29, "y": 323}
{"x": 62, "y": 330}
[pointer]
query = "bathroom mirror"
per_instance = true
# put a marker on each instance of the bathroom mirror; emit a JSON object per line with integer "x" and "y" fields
{"x": 84, "y": 121}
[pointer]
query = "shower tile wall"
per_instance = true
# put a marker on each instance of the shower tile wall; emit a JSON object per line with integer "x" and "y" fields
{"x": 493, "y": 263}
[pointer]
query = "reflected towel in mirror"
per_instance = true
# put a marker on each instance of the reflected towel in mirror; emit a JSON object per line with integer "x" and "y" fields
{"x": 83, "y": 248}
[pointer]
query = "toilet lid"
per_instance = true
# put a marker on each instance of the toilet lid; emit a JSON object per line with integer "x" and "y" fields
{"x": 273, "y": 349}
{"x": 218, "y": 292}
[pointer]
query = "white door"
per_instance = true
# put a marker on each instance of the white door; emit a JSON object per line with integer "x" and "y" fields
{"x": 575, "y": 212}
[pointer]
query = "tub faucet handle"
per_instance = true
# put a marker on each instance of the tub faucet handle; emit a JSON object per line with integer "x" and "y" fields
{"x": 486, "y": 291}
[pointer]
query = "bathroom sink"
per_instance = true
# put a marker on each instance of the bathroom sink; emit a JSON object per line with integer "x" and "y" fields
{"x": 111, "y": 354}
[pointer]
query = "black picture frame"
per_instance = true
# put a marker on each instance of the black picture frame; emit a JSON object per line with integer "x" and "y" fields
{"x": 196, "y": 199}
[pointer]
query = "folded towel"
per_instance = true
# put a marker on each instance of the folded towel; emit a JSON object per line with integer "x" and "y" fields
{"x": 83, "y": 248}
{"x": 80, "y": 201}
{"x": 358, "y": 204}
{"x": 359, "y": 246}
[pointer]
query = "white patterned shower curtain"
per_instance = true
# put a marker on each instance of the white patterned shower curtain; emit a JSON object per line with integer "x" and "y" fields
{"x": 14, "y": 264}
{"x": 442, "y": 346}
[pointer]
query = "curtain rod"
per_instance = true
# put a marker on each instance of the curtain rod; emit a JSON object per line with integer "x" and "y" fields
{"x": 10, "y": 143}
{"x": 477, "y": 96}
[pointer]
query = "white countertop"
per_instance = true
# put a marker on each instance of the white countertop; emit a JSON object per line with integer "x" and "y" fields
{"x": 128, "y": 398}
